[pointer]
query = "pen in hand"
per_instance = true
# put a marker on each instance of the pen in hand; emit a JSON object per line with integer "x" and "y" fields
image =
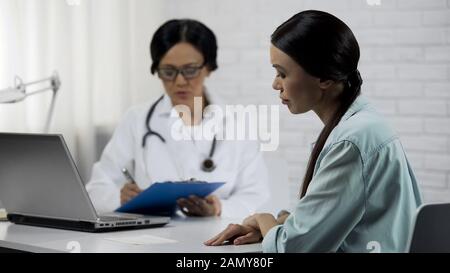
{"x": 128, "y": 176}
{"x": 130, "y": 189}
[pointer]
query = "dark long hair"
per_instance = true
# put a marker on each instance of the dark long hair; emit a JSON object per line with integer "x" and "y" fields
{"x": 325, "y": 48}
{"x": 190, "y": 31}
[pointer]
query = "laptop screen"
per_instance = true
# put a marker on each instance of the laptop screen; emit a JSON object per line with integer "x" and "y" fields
{"x": 39, "y": 178}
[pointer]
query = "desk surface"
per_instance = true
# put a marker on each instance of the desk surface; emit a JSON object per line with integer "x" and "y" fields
{"x": 188, "y": 234}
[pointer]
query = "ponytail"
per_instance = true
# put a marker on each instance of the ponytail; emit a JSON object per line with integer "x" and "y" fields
{"x": 352, "y": 89}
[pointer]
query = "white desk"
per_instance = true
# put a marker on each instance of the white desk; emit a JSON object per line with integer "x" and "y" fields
{"x": 189, "y": 234}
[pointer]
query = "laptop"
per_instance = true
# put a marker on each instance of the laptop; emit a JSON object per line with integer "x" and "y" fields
{"x": 431, "y": 233}
{"x": 41, "y": 186}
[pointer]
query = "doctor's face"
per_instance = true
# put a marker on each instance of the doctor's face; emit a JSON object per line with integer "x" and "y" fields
{"x": 183, "y": 73}
{"x": 298, "y": 89}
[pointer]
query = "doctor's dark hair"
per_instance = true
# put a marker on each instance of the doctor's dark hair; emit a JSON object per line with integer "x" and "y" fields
{"x": 184, "y": 30}
{"x": 325, "y": 48}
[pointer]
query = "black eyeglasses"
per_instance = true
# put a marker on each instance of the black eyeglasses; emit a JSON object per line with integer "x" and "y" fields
{"x": 171, "y": 73}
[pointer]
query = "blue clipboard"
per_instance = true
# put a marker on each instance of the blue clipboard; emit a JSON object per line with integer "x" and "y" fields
{"x": 161, "y": 198}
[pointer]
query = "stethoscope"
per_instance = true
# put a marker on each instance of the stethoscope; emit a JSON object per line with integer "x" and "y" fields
{"x": 207, "y": 164}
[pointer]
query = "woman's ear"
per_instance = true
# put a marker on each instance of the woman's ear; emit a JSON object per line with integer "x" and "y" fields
{"x": 325, "y": 84}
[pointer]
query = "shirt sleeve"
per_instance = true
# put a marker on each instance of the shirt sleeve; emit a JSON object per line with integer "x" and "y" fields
{"x": 332, "y": 206}
{"x": 251, "y": 189}
{"x": 107, "y": 178}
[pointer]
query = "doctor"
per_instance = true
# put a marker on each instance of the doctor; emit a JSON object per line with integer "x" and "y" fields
{"x": 146, "y": 143}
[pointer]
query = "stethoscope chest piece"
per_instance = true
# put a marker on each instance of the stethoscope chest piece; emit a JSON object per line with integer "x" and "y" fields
{"x": 208, "y": 165}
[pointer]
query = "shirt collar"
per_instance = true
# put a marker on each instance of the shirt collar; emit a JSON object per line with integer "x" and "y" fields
{"x": 360, "y": 103}
{"x": 166, "y": 105}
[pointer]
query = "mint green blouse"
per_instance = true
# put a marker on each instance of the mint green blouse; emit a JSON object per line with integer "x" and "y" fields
{"x": 363, "y": 195}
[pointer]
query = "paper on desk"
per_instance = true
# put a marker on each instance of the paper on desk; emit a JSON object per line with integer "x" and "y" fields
{"x": 141, "y": 240}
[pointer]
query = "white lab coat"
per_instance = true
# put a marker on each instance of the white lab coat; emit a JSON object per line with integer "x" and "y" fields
{"x": 239, "y": 162}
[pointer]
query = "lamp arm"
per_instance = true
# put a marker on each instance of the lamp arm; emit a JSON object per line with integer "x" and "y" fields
{"x": 38, "y": 91}
{"x": 38, "y": 81}
{"x": 55, "y": 84}
{"x": 50, "y": 114}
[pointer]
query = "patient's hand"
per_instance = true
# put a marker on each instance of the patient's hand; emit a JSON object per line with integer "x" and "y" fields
{"x": 237, "y": 235}
{"x": 128, "y": 192}
{"x": 196, "y": 206}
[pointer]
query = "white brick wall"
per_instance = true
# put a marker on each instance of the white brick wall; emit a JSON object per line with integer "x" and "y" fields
{"x": 405, "y": 63}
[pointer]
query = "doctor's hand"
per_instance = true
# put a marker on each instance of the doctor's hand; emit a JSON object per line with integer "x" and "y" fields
{"x": 196, "y": 206}
{"x": 128, "y": 192}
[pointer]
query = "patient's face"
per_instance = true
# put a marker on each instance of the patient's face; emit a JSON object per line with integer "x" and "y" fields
{"x": 298, "y": 89}
{"x": 182, "y": 90}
